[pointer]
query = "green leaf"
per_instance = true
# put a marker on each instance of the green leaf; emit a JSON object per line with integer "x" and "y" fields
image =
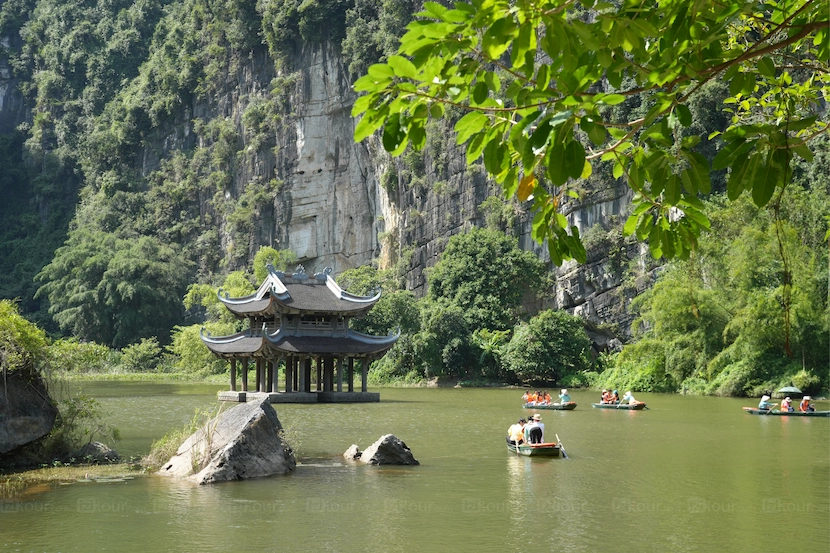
{"x": 736, "y": 183}
{"x": 574, "y": 159}
{"x": 498, "y": 36}
{"x": 730, "y": 152}
{"x": 369, "y": 123}
{"x": 393, "y": 134}
{"x": 480, "y": 92}
{"x": 556, "y": 170}
{"x": 611, "y": 99}
{"x": 766, "y": 67}
{"x": 765, "y": 178}
{"x": 468, "y": 125}
{"x": 684, "y": 115}
{"x": 699, "y": 169}
{"x": 672, "y": 190}
{"x": 402, "y": 67}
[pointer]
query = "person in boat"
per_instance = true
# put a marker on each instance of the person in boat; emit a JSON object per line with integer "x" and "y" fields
{"x": 805, "y": 406}
{"x": 615, "y": 397}
{"x": 628, "y": 398}
{"x": 787, "y": 405}
{"x": 515, "y": 434}
{"x": 765, "y": 404}
{"x": 535, "y": 430}
{"x": 545, "y": 398}
{"x": 526, "y": 397}
{"x": 563, "y": 396}
{"x": 606, "y": 397}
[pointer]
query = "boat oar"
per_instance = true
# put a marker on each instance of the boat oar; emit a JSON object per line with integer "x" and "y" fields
{"x": 561, "y": 447}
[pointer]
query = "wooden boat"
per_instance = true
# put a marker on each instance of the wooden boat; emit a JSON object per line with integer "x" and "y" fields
{"x": 535, "y": 450}
{"x": 777, "y": 413}
{"x": 621, "y": 406}
{"x": 567, "y": 406}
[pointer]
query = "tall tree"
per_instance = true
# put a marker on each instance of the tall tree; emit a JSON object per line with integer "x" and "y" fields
{"x": 487, "y": 275}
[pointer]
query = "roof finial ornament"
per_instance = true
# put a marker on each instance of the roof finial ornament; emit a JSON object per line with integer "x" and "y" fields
{"x": 299, "y": 272}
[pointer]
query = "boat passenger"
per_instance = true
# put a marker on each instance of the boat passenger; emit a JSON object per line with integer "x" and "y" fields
{"x": 765, "y": 404}
{"x": 805, "y": 406}
{"x": 545, "y": 398}
{"x": 515, "y": 434}
{"x": 535, "y": 430}
{"x": 615, "y": 397}
{"x": 628, "y": 398}
{"x": 787, "y": 405}
{"x": 563, "y": 396}
{"x": 526, "y": 397}
{"x": 606, "y": 397}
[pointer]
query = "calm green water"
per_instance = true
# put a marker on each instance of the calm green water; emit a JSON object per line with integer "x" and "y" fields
{"x": 690, "y": 474}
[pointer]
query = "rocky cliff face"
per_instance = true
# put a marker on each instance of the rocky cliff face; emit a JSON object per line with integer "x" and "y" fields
{"x": 12, "y": 109}
{"x": 343, "y": 204}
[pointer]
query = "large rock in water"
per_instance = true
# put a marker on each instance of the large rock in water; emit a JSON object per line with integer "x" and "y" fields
{"x": 243, "y": 442}
{"x": 26, "y": 410}
{"x": 388, "y": 450}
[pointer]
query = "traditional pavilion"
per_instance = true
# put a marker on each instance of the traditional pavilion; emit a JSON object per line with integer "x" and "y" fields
{"x": 302, "y": 321}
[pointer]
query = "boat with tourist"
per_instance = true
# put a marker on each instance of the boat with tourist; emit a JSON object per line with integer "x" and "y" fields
{"x": 568, "y": 406}
{"x": 639, "y": 406}
{"x": 535, "y": 450}
{"x": 779, "y": 413}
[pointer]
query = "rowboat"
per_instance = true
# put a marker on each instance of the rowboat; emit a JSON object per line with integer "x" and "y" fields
{"x": 626, "y": 406}
{"x": 567, "y": 406}
{"x": 777, "y": 413}
{"x": 535, "y": 450}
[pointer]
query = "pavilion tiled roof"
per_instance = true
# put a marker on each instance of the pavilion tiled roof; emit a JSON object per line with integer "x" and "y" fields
{"x": 299, "y": 293}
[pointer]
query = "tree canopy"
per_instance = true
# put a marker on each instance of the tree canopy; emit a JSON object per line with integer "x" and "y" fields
{"x": 538, "y": 83}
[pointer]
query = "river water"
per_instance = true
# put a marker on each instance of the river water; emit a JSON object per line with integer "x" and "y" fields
{"x": 689, "y": 474}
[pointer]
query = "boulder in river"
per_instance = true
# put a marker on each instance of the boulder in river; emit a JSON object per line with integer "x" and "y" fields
{"x": 243, "y": 442}
{"x": 96, "y": 452}
{"x": 388, "y": 450}
{"x": 27, "y": 413}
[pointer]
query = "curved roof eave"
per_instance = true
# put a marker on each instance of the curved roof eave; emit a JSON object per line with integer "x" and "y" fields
{"x": 348, "y": 296}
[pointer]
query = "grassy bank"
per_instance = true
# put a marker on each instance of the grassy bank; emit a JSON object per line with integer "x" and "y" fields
{"x": 23, "y": 484}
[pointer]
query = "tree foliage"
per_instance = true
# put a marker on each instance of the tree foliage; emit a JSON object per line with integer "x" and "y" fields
{"x": 486, "y": 275}
{"x": 115, "y": 291}
{"x": 537, "y": 83}
{"x": 551, "y": 347}
{"x": 747, "y": 312}
{"x": 22, "y": 344}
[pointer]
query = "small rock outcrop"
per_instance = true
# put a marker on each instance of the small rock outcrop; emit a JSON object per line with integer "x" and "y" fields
{"x": 388, "y": 450}
{"x": 27, "y": 413}
{"x": 353, "y": 453}
{"x": 243, "y": 442}
{"x": 96, "y": 452}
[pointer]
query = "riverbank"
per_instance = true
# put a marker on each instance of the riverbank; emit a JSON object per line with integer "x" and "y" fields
{"x": 17, "y": 485}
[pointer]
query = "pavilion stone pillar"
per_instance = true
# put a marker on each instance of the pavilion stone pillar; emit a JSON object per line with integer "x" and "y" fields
{"x": 289, "y": 373}
{"x": 244, "y": 374}
{"x": 340, "y": 362}
{"x": 350, "y": 378}
{"x": 233, "y": 374}
{"x": 303, "y": 362}
{"x": 319, "y": 373}
{"x": 259, "y": 379}
{"x": 269, "y": 382}
{"x": 364, "y": 373}
{"x": 328, "y": 373}
{"x": 307, "y": 375}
